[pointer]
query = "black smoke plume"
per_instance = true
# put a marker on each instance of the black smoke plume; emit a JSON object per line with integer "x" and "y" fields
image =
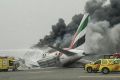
{"x": 61, "y": 34}
{"x": 101, "y": 12}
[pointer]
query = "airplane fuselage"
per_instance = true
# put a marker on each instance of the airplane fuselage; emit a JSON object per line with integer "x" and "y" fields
{"x": 59, "y": 59}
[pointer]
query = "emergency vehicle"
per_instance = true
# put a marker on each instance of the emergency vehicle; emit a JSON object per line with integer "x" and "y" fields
{"x": 108, "y": 64}
{"x": 7, "y": 63}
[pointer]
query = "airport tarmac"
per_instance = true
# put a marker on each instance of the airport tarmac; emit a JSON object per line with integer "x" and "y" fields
{"x": 57, "y": 74}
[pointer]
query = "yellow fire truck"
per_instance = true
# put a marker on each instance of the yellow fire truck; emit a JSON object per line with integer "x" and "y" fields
{"x": 103, "y": 65}
{"x": 7, "y": 63}
{"x": 108, "y": 64}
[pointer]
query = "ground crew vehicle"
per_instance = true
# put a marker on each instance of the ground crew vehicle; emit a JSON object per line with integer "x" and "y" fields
{"x": 7, "y": 63}
{"x": 103, "y": 65}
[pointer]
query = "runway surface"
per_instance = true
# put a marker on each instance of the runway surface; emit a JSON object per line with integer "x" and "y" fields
{"x": 58, "y": 74}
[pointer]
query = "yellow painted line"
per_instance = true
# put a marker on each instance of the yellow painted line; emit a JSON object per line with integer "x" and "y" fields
{"x": 99, "y": 76}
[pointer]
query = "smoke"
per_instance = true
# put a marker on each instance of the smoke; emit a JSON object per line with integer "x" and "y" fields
{"x": 102, "y": 36}
{"x": 115, "y": 35}
{"x": 98, "y": 38}
{"x": 109, "y": 12}
{"x": 61, "y": 34}
{"x": 103, "y": 31}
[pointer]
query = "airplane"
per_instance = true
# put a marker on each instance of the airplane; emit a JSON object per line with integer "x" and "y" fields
{"x": 67, "y": 57}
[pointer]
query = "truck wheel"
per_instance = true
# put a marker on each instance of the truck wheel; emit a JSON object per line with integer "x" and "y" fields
{"x": 89, "y": 69}
{"x": 105, "y": 70}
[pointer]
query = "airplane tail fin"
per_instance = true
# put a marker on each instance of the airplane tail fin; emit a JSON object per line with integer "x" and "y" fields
{"x": 80, "y": 33}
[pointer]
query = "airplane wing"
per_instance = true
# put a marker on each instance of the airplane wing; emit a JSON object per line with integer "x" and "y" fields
{"x": 66, "y": 52}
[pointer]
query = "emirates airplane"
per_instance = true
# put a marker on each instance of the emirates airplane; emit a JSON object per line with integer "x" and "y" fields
{"x": 68, "y": 57}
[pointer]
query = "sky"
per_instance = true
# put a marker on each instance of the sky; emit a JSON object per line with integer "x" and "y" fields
{"x": 24, "y": 22}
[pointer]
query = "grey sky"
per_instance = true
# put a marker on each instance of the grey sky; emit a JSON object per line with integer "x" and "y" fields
{"x": 24, "y": 22}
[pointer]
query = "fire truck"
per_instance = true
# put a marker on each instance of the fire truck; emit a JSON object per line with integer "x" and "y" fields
{"x": 110, "y": 63}
{"x": 7, "y": 63}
